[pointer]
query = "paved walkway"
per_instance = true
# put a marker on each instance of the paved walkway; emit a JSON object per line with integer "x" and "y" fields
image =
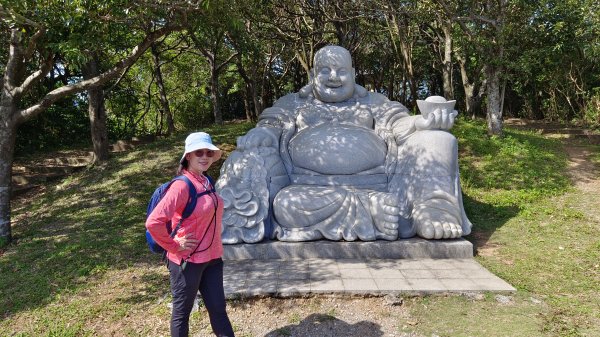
{"x": 297, "y": 277}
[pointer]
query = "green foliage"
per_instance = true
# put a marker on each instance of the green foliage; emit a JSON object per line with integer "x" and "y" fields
{"x": 556, "y": 73}
{"x": 505, "y": 177}
{"x": 61, "y": 126}
{"x": 591, "y": 112}
{"x": 549, "y": 53}
{"x": 522, "y": 166}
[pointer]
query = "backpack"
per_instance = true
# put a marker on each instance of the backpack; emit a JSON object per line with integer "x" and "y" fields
{"x": 157, "y": 196}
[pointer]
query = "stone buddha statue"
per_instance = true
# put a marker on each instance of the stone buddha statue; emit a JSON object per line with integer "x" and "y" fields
{"x": 337, "y": 162}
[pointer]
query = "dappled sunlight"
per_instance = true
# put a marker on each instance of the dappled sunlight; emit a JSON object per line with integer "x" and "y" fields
{"x": 521, "y": 167}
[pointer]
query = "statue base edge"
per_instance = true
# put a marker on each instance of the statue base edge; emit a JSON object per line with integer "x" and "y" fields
{"x": 413, "y": 248}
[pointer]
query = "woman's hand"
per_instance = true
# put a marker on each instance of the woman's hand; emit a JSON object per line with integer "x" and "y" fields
{"x": 186, "y": 242}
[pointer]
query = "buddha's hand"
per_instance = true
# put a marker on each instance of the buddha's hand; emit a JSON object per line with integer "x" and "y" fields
{"x": 439, "y": 119}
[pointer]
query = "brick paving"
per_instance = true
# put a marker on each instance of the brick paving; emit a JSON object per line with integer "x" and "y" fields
{"x": 297, "y": 277}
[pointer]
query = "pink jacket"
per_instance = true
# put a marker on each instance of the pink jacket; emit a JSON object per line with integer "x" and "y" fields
{"x": 201, "y": 223}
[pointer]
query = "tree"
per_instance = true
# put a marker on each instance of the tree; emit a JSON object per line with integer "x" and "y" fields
{"x": 31, "y": 56}
{"x": 485, "y": 25}
{"x": 160, "y": 83}
{"x": 96, "y": 110}
{"x": 210, "y": 44}
{"x": 556, "y": 75}
{"x": 402, "y": 25}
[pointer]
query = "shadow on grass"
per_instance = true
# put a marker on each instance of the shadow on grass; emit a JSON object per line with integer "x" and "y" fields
{"x": 486, "y": 219}
{"x": 521, "y": 162}
{"x": 324, "y": 324}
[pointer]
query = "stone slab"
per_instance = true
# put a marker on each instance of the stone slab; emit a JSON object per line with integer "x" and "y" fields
{"x": 375, "y": 277}
{"x": 413, "y": 248}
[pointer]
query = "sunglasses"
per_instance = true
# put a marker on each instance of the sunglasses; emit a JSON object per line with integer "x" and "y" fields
{"x": 202, "y": 153}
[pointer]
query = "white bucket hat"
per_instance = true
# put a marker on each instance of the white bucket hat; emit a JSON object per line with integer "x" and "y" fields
{"x": 196, "y": 141}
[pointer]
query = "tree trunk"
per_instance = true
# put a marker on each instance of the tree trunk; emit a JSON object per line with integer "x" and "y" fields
{"x": 254, "y": 99}
{"x": 473, "y": 90}
{"x": 447, "y": 66}
{"x": 251, "y": 100}
{"x": 164, "y": 102}
{"x": 390, "y": 86}
{"x": 7, "y": 146}
{"x": 248, "y": 103}
{"x": 8, "y": 131}
{"x": 494, "y": 113}
{"x": 406, "y": 50}
{"x": 214, "y": 95}
{"x": 467, "y": 87}
{"x": 96, "y": 112}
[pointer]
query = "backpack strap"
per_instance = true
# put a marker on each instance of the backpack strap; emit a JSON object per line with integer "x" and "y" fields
{"x": 212, "y": 187}
{"x": 190, "y": 204}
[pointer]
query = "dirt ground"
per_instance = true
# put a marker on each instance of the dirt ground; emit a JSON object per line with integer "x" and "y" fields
{"x": 318, "y": 316}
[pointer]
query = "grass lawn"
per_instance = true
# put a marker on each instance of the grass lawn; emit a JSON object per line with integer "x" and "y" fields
{"x": 79, "y": 265}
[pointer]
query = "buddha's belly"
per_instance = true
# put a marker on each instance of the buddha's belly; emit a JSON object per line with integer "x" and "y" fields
{"x": 337, "y": 149}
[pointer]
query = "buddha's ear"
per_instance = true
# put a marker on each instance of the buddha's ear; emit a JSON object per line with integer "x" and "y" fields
{"x": 353, "y": 72}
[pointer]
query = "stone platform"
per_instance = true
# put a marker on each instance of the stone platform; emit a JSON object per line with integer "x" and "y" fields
{"x": 412, "y": 266}
{"x": 413, "y": 248}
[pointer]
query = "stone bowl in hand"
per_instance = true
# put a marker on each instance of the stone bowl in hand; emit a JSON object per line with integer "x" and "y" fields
{"x": 432, "y": 103}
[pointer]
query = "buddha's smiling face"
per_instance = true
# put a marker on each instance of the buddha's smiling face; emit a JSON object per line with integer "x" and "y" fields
{"x": 333, "y": 75}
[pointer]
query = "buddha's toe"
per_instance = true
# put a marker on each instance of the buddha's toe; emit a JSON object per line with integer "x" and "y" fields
{"x": 437, "y": 219}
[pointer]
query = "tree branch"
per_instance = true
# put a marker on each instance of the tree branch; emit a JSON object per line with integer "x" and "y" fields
{"x": 450, "y": 15}
{"x": 224, "y": 63}
{"x": 33, "y": 43}
{"x": 35, "y": 77}
{"x": 198, "y": 45}
{"x": 99, "y": 80}
{"x": 13, "y": 63}
{"x": 120, "y": 78}
{"x": 17, "y": 18}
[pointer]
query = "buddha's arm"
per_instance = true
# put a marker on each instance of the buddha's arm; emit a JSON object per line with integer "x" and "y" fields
{"x": 392, "y": 119}
{"x": 250, "y": 176}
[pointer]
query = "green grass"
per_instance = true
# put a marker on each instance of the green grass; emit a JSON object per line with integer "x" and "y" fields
{"x": 79, "y": 265}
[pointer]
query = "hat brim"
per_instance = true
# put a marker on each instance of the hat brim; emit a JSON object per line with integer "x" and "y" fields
{"x": 199, "y": 146}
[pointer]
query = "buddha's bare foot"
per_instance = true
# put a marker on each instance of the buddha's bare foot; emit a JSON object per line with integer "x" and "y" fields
{"x": 437, "y": 218}
{"x": 385, "y": 211}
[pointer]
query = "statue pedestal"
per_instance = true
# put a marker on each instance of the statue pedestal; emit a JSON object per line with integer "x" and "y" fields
{"x": 413, "y": 248}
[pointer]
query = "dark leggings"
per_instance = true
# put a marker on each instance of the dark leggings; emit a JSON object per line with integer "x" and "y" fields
{"x": 208, "y": 278}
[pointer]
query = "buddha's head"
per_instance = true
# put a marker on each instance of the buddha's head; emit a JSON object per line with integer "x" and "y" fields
{"x": 333, "y": 75}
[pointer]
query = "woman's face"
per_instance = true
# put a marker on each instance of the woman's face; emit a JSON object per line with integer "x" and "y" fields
{"x": 200, "y": 160}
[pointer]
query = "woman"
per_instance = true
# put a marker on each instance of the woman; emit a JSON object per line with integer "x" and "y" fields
{"x": 194, "y": 253}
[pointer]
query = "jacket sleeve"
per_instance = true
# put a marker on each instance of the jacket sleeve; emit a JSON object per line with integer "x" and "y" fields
{"x": 170, "y": 207}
